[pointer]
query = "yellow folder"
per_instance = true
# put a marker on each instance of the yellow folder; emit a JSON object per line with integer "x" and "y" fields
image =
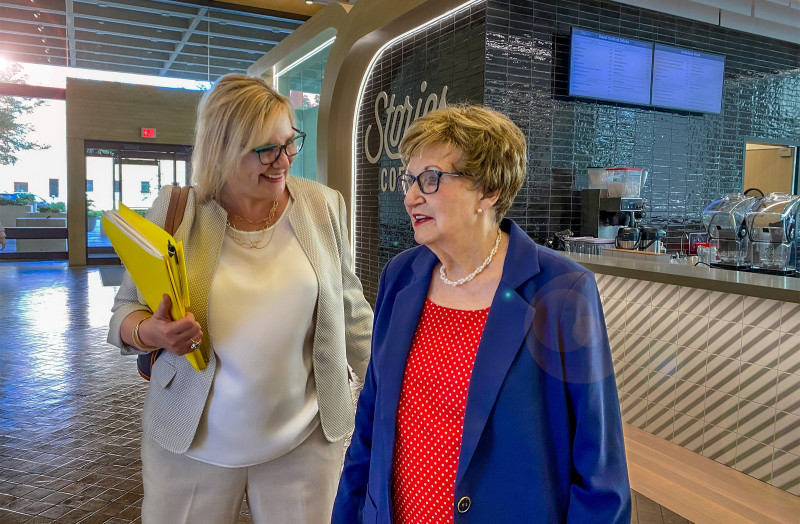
{"x": 155, "y": 262}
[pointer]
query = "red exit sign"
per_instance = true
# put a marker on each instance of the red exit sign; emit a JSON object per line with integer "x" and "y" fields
{"x": 148, "y": 132}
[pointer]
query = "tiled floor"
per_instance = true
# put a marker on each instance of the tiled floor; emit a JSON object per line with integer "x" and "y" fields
{"x": 70, "y": 404}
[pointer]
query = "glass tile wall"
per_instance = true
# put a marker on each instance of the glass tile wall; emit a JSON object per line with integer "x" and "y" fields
{"x": 693, "y": 158}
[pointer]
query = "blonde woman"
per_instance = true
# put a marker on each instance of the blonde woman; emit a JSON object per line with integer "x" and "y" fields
{"x": 490, "y": 396}
{"x": 277, "y": 307}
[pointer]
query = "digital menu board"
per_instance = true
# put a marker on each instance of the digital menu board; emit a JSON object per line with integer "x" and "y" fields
{"x": 686, "y": 79}
{"x": 610, "y": 67}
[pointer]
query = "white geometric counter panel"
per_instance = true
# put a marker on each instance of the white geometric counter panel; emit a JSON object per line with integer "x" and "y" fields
{"x": 716, "y": 373}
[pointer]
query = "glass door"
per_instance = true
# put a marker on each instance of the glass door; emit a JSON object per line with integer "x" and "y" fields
{"x": 128, "y": 173}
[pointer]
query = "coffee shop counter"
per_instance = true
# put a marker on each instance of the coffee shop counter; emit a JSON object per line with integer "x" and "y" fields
{"x": 708, "y": 359}
{"x": 701, "y": 277}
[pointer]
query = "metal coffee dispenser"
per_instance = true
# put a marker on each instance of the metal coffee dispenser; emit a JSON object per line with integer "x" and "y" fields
{"x": 727, "y": 230}
{"x": 771, "y": 224}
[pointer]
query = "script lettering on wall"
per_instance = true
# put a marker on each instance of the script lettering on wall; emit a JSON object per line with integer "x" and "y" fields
{"x": 391, "y": 122}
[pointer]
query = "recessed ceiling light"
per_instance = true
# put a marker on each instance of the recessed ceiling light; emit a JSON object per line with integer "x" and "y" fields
{"x": 37, "y": 14}
{"x": 309, "y": 2}
{"x": 40, "y": 28}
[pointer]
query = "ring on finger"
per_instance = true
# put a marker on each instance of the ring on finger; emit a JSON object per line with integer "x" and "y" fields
{"x": 195, "y": 344}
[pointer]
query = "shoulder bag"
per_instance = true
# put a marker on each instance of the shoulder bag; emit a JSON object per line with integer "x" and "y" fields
{"x": 175, "y": 211}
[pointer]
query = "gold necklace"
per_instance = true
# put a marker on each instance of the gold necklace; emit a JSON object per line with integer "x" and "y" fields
{"x": 254, "y": 244}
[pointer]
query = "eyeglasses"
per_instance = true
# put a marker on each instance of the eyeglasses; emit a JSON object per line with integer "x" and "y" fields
{"x": 270, "y": 154}
{"x": 428, "y": 181}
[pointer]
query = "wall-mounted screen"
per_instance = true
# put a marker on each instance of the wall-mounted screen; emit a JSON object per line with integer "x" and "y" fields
{"x": 686, "y": 79}
{"x": 610, "y": 67}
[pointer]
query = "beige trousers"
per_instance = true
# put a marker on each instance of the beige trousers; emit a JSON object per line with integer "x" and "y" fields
{"x": 298, "y": 487}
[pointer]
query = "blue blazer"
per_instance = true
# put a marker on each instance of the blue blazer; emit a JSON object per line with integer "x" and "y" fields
{"x": 542, "y": 439}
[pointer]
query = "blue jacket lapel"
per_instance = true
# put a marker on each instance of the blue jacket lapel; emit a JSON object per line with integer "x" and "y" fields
{"x": 409, "y": 302}
{"x": 507, "y": 325}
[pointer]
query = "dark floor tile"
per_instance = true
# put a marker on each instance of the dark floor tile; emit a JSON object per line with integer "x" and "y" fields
{"x": 93, "y": 505}
{"x": 76, "y": 515}
{"x": 34, "y": 508}
{"x": 12, "y": 517}
{"x": 95, "y": 518}
{"x": 129, "y": 497}
{"x": 56, "y": 512}
{"x": 112, "y": 508}
{"x": 110, "y": 494}
{"x": 130, "y": 513}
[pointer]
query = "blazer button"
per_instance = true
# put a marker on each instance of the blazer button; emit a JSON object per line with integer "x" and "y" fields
{"x": 463, "y": 504}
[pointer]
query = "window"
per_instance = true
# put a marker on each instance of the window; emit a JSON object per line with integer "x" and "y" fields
{"x": 89, "y": 186}
{"x": 145, "y": 187}
{"x": 53, "y": 188}
{"x": 20, "y": 187}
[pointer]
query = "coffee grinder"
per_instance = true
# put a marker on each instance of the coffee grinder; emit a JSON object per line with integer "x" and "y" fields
{"x": 771, "y": 224}
{"x": 727, "y": 231}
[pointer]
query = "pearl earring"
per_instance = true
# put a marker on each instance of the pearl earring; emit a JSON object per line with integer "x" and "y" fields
{"x": 480, "y": 210}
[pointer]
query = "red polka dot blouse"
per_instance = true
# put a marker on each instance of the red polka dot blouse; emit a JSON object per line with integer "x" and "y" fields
{"x": 430, "y": 415}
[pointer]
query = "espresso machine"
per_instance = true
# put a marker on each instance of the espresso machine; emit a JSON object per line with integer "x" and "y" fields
{"x": 602, "y": 216}
{"x": 771, "y": 225}
{"x": 725, "y": 223}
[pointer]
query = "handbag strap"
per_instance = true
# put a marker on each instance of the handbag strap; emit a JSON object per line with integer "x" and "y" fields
{"x": 176, "y": 209}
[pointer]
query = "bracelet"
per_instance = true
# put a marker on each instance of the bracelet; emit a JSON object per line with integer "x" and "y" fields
{"x": 138, "y": 341}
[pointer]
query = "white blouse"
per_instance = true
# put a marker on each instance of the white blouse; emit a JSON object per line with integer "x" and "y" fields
{"x": 263, "y": 401}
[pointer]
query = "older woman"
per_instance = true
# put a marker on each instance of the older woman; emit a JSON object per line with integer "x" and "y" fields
{"x": 275, "y": 305}
{"x": 490, "y": 396}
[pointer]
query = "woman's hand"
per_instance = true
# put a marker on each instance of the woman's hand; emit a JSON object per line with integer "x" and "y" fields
{"x": 176, "y": 336}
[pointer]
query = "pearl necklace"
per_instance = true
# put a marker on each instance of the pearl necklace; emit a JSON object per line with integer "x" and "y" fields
{"x": 250, "y": 244}
{"x": 475, "y": 273}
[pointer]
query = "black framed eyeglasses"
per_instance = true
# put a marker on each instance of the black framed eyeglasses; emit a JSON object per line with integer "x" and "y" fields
{"x": 428, "y": 181}
{"x": 268, "y": 155}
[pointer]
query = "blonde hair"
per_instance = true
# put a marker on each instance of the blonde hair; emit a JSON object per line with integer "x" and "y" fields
{"x": 493, "y": 149}
{"x": 235, "y": 116}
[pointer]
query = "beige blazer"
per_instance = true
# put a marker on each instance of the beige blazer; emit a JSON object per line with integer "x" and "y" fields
{"x": 177, "y": 393}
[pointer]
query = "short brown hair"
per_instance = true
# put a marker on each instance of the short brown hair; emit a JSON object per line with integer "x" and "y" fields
{"x": 493, "y": 149}
{"x": 234, "y": 117}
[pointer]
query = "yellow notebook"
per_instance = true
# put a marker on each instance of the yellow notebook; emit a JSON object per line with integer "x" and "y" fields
{"x": 155, "y": 262}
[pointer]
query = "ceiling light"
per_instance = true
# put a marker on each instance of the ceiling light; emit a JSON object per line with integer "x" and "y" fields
{"x": 102, "y": 5}
{"x": 40, "y": 28}
{"x": 47, "y": 50}
{"x": 44, "y": 40}
{"x": 309, "y": 2}
{"x": 37, "y": 14}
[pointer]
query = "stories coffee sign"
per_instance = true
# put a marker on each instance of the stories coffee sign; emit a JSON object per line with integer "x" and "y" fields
{"x": 431, "y": 67}
{"x": 391, "y": 121}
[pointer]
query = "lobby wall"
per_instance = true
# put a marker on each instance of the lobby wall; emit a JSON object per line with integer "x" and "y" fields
{"x": 110, "y": 111}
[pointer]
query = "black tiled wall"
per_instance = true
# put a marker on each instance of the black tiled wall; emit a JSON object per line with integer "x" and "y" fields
{"x": 513, "y": 56}
{"x": 692, "y": 158}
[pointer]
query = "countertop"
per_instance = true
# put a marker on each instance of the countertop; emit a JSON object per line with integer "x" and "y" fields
{"x": 739, "y": 282}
